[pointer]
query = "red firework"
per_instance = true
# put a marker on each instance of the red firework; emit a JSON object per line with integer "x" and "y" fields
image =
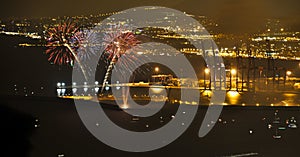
{"x": 62, "y": 42}
{"x": 118, "y": 43}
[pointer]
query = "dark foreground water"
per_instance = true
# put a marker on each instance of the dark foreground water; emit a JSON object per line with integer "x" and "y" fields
{"x": 59, "y": 131}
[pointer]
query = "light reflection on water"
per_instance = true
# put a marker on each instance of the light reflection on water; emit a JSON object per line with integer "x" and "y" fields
{"x": 263, "y": 98}
{"x": 259, "y": 98}
{"x": 233, "y": 97}
{"x": 270, "y": 98}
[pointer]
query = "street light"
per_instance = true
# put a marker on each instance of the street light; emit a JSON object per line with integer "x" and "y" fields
{"x": 288, "y": 74}
{"x": 74, "y": 89}
{"x": 96, "y": 87}
{"x": 63, "y": 91}
{"x": 106, "y": 86}
{"x": 233, "y": 71}
{"x": 206, "y": 70}
{"x": 96, "y": 90}
{"x": 118, "y": 85}
{"x": 85, "y": 87}
{"x": 156, "y": 69}
{"x": 58, "y": 90}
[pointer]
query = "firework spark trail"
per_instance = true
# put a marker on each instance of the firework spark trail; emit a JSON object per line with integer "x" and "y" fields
{"x": 129, "y": 62}
{"x": 62, "y": 42}
{"x": 117, "y": 43}
{"x": 90, "y": 47}
{"x": 78, "y": 61}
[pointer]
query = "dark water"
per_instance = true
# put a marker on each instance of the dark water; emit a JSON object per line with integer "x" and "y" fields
{"x": 61, "y": 131}
{"x": 28, "y": 67}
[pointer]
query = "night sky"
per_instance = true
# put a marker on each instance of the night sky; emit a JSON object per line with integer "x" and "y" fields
{"x": 233, "y": 15}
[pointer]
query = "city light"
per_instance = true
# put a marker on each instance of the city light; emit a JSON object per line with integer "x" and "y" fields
{"x": 85, "y": 89}
{"x": 233, "y": 94}
{"x": 58, "y": 90}
{"x": 156, "y": 90}
{"x": 206, "y": 70}
{"x": 63, "y": 91}
{"x": 58, "y": 84}
{"x": 118, "y": 85}
{"x": 233, "y": 71}
{"x": 74, "y": 90}
{"x": 96, "y": 90}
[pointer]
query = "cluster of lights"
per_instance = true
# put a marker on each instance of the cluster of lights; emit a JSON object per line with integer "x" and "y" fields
{"x": 62, "y": 88}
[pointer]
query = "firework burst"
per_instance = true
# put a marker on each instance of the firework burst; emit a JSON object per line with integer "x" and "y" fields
{"x": 89, "y": 45}
{"x": 117, "y": 43}
{"x": 57, "y": 38}
{"x": 62, "y": 43}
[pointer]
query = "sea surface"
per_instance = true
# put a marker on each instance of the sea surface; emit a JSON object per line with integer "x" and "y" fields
{"x": 38, "y": 126}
